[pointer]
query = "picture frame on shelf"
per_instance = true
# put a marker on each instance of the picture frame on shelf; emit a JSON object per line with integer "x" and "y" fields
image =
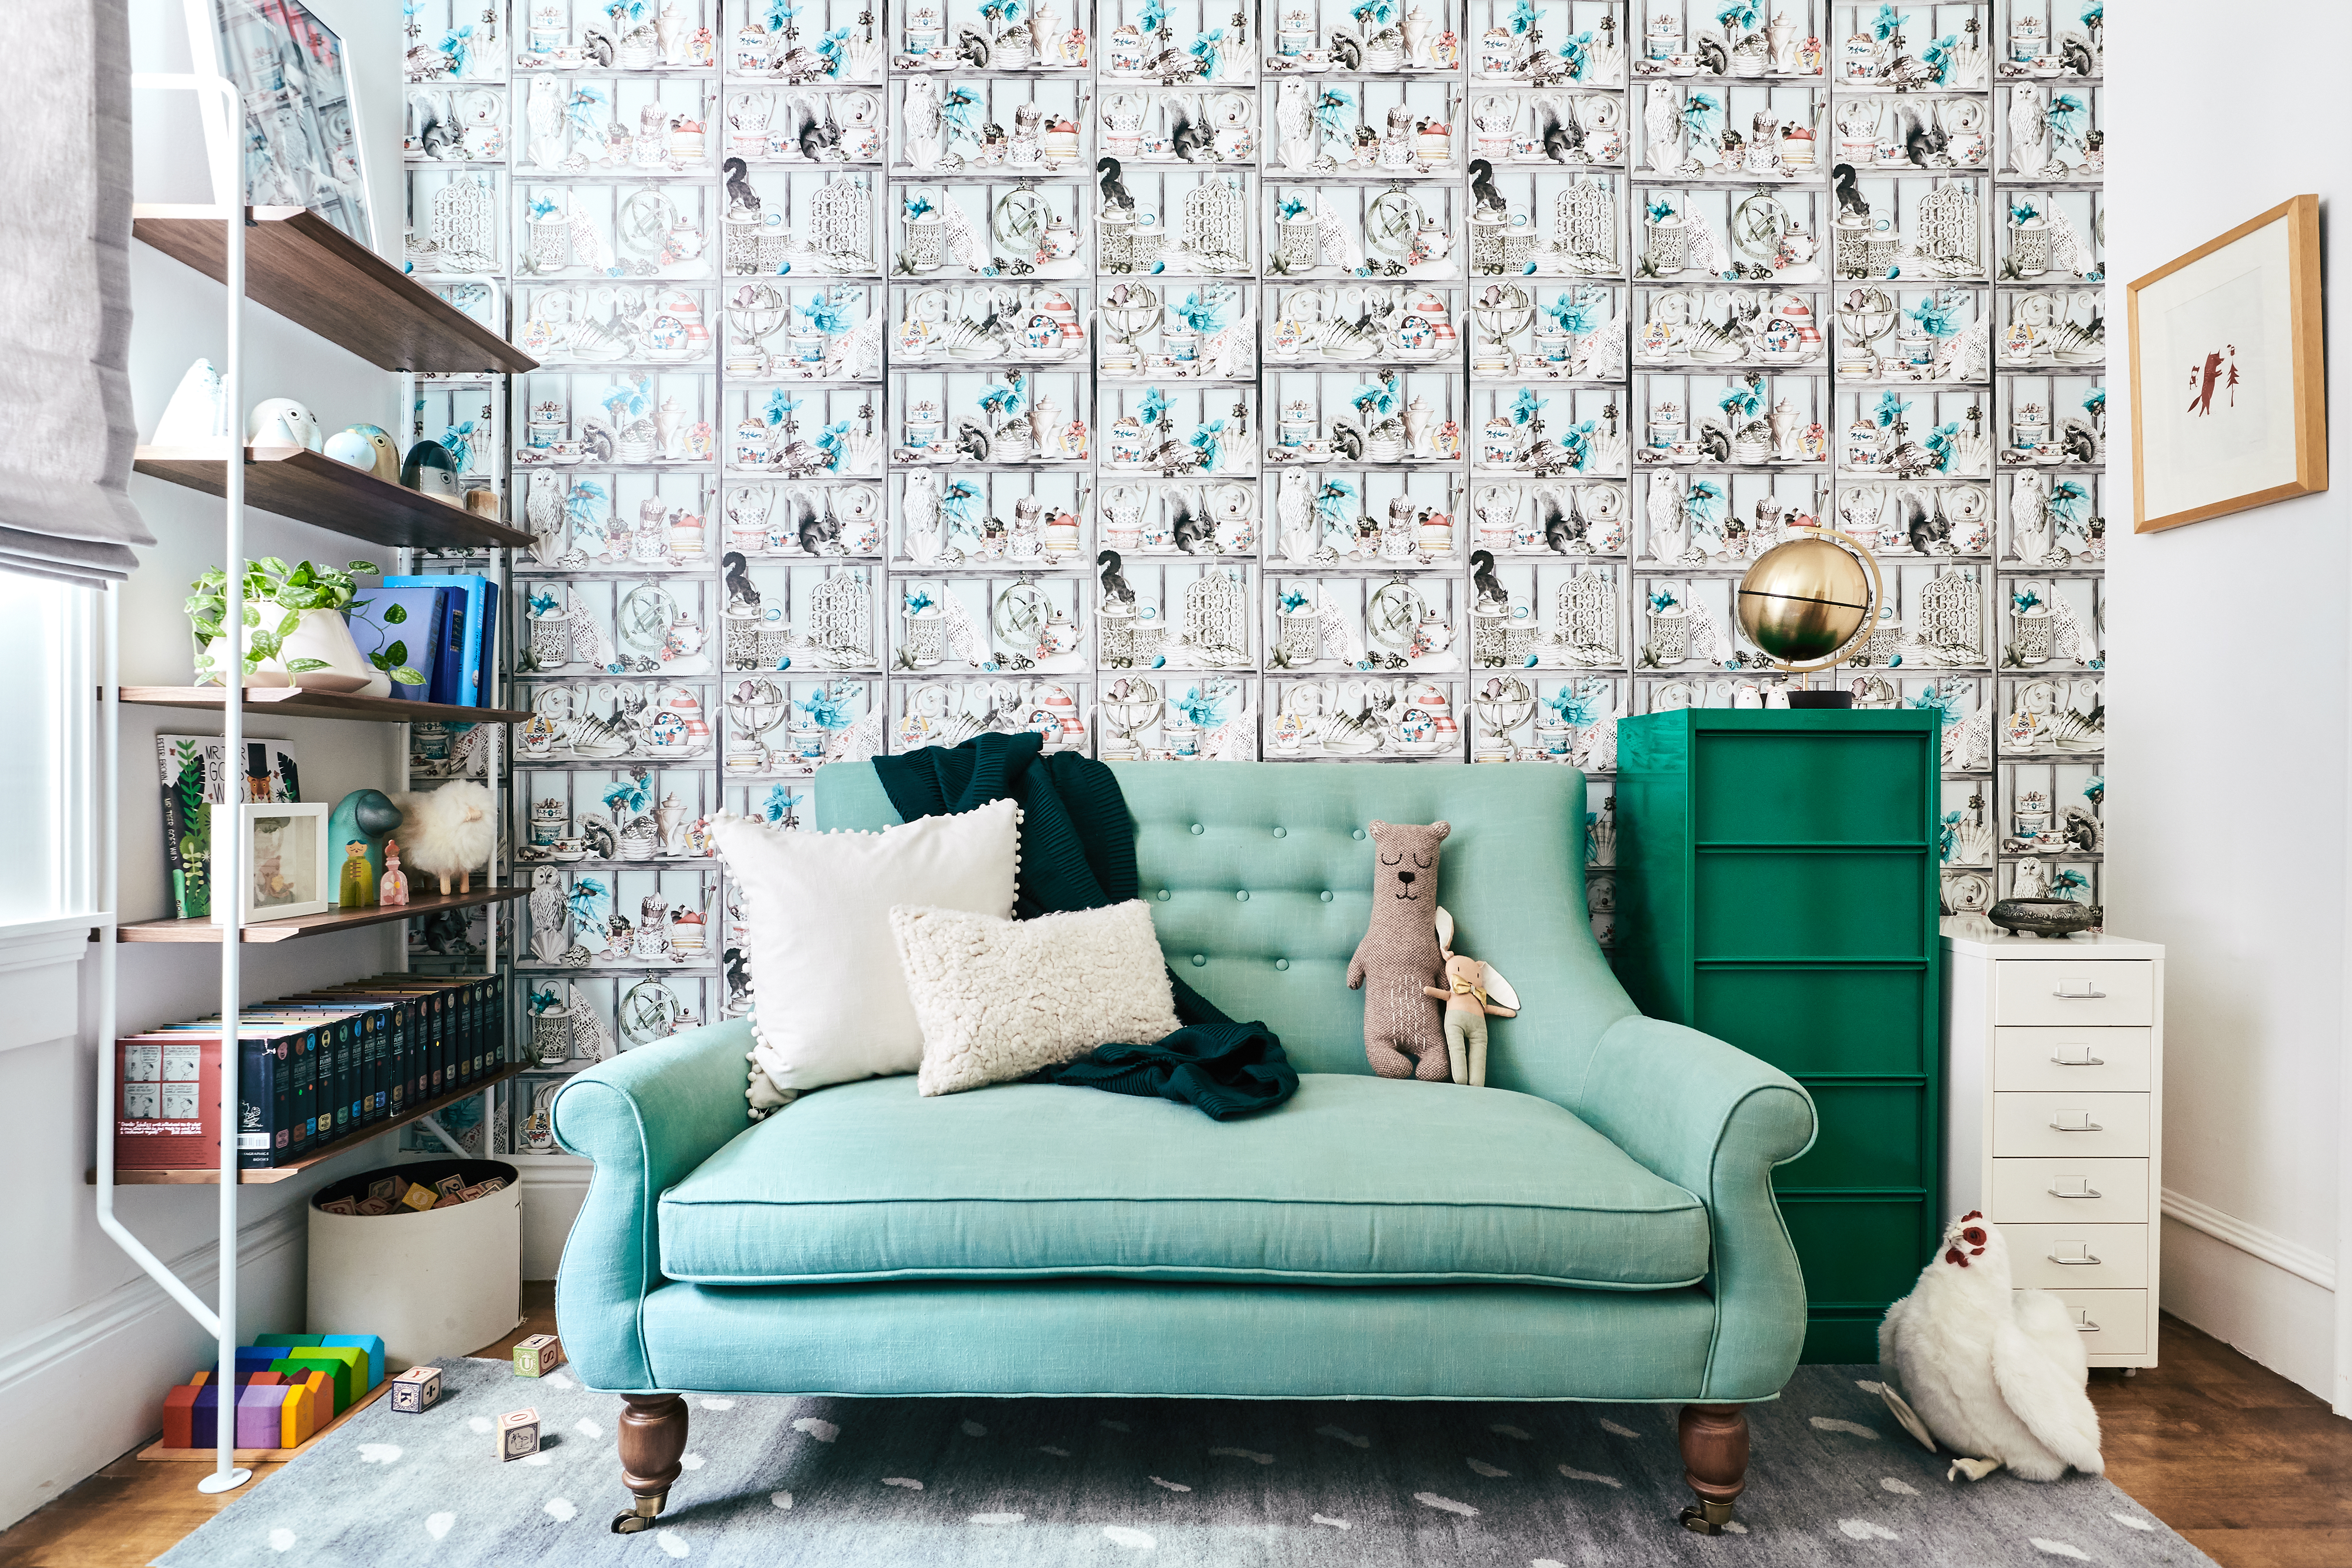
{"x": 284, "y": 872}
{"x": 2240, "y": 317}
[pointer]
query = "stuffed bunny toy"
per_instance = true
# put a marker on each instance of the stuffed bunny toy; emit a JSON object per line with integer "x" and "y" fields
{"x": 1474, "y": 992}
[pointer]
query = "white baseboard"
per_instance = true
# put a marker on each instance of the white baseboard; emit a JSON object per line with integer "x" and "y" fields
{"x": 2302, "y": 1262}
{"x": 87, "y": 1387}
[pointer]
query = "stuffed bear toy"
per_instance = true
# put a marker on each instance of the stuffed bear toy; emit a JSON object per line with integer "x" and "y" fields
{"x": 1399, "y": 955}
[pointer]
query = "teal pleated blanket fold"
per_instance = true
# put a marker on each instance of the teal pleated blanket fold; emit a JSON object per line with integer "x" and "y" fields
{"x": 1078, "y": 852}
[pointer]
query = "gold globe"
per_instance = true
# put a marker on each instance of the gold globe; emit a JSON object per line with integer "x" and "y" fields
{"x": 1804, "y": 600}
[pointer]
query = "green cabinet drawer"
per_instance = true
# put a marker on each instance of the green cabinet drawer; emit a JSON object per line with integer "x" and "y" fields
{"x": 1872, "y": 1135}
{"x": 1808, "y": 787}
{"x": 1782, "y": 904}
{"x": 1858, "y": 1250}
{"x": 1820, "y": 1019}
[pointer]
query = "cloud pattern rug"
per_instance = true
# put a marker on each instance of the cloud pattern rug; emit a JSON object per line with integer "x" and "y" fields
{"x": 1039, "y": 1483}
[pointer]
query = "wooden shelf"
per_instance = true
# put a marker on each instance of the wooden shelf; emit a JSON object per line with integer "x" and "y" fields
{"x": 311, "y": 272}
{"x": 296, "y": 703}
{"x": 309, "y": 487}
{"x": 209, "y": 1176}
{"x": 202, "y": 928}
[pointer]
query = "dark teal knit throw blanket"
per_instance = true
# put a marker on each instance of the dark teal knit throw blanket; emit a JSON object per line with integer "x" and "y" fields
{"x": 1078, "y": 852}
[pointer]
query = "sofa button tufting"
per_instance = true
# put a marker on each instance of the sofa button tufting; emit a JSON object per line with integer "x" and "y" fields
{"x": 1200, "y": 960}
{"x": 1359, "y": 833}
{"x": 1198, "y": 828}
{"x": 1282, "y": 963}
{"x": 1326, "y": 897}
{"x": 1163, "y": 894}
{"x": 1282, "y": 833}
{"x": 1240, "y": 895}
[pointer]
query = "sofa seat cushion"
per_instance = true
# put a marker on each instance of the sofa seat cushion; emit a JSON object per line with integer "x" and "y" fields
{"x": 1356, "y": 1181}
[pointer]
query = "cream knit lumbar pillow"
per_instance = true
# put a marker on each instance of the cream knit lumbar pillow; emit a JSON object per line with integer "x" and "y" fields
{"x": 829, "y": 998}
{"x": 999, "y": 999}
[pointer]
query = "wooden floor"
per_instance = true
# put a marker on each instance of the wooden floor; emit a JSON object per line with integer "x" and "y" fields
{"x": 2252, "y": 1470}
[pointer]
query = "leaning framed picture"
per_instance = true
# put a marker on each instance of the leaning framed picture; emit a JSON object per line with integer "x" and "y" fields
{"x": 285, "y": 874}
{"x": 2229, "y": 378}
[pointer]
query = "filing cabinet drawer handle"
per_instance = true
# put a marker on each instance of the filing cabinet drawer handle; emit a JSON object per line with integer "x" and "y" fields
{"x": 2086, "y": 1260}
{"x": 2086, "y": 1127}
{"x": 2089, "y": 993}
{"x": 2086, "y": 1327}
{"x": 2088, "y": 1192}
{"x": 2087, "y": 1060}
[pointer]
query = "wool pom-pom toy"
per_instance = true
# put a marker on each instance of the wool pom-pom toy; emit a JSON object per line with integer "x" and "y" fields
{"x": 1988, "y": 1371}
{"x": 448, "y": 832}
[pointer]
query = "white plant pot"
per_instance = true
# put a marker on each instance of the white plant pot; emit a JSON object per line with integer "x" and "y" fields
{"x": 325, "y": 635}
{"x": 269, "y": 672}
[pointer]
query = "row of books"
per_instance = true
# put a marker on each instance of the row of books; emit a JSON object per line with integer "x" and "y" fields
{"x": 442, "y": 627}
{"x": 312, "y": 1068}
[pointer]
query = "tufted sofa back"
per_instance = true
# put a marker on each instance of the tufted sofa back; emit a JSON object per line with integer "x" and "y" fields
{"x": 1259, "y": 877}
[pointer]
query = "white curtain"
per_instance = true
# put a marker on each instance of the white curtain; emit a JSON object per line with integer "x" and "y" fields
{"x": 66, "y": 430}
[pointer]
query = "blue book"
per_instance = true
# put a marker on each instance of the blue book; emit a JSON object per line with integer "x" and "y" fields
{"x": 405, "y": 627}
{"x": 470, "y": 606}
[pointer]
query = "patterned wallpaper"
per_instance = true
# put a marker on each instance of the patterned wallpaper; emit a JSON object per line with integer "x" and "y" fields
{"x": 1329, "y": 383}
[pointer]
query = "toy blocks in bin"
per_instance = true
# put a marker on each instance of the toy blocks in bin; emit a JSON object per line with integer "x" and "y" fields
{"x": 416, "y": 1390}
{"x": 538, "y": 1355}
{"x": 517, "y": 1435}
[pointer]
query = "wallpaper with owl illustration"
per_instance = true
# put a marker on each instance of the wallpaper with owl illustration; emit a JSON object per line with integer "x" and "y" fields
{"x": 1323, "y": 382}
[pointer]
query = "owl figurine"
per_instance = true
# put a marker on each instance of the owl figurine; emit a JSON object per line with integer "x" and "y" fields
{"x": 923, "y": 123}
{"x": 2029, "y": 518}
{"x": 921, "y": 515}
{"x": 1294, "y": 125}
{"x": 1668, "y": 537}
{"x": 2029, "y": 125}
{"x": 1662, "y": 119}
{"x": 1294, "y": 511}
{"x": 547, "y": 915}
{"x": 544, "y": 116}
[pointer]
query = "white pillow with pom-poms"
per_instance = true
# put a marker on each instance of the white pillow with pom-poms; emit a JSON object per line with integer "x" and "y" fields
{"x": 829, "y": 998}
{"x": 999, "y": 999}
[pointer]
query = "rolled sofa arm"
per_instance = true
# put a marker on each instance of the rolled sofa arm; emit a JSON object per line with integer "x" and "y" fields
{"x": 1712, "y": 1119}
{"x": 646, "y": 1116}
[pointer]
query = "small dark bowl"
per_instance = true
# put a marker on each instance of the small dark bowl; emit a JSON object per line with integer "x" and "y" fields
{"x": 2041, "y": 917}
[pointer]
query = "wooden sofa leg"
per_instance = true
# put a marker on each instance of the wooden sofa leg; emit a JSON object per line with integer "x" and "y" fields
{"x": 653, "y": 1441}
{"x": 1715, "y": 1463}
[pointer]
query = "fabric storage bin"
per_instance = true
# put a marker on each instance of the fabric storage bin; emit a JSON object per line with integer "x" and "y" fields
{"x": 432, "y": 1283}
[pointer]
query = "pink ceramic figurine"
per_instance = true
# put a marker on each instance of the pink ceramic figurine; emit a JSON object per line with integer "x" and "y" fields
{"x": 393, "y": 888}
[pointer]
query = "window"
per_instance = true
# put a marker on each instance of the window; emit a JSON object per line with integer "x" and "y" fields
{"x": 47, "y": 784}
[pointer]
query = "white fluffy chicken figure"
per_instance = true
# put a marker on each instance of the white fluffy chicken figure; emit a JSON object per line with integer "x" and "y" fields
{"x": 448, "y": 833}
{"x": 1996, "y": 1374}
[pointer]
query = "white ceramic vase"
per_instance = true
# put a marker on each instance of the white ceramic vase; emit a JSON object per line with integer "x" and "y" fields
{"x": 326, "y": 636}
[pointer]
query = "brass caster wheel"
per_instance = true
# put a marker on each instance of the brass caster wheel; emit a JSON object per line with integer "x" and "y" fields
{"x": 1707, "y": 1518}
{"x": 640, "y": 1518}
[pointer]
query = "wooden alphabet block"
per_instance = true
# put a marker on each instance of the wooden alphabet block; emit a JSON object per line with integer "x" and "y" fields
{"x": 419, "y": 1197}
{"x": 517, "y": 1435}
{"x": 339, "y": 1205}
{"x": 384, "y": 1187}
{"x": 538, "y": 1355}
{"x": 417, "y": 1390}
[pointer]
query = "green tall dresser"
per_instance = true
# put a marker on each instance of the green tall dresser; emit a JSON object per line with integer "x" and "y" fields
{"x": 1778, "y": 888}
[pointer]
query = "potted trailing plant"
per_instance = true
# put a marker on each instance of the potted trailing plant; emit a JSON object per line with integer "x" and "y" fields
{"x": 308, "y": 644}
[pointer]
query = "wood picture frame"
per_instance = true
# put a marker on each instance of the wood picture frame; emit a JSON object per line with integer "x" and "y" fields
{"x": 2268, "y": 441}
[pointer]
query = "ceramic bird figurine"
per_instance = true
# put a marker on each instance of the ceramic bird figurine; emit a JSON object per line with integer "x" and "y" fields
{"x": 1293, "y": 510}
{"x": 1294, "y": 125}
{"x": 197, "y": 412}
{"x": 1662, "y": 119}
{"x": 2029, "y": 125}
{"x": 1668, "y": 537}
{"x": 923, "y": 123}
{"x": 1996, "y": 1374}
{"x": 544, "y": 117}
{"x": 450, "y": 831}
{"x": 920, "y": 516}
{"x": 547, "y": 914}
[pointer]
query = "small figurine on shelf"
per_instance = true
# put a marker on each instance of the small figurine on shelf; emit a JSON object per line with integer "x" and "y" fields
{"x": 356, "y": 890}
{"x": 391, "y": 892}
{"x": 1474, "y": 992}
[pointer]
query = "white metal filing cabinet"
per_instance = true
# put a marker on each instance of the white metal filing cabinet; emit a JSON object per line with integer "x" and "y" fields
{"x": 2054, "y": 1115}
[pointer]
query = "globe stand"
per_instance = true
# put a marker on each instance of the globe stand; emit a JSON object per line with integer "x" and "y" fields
{"x": 1794, "y": 600}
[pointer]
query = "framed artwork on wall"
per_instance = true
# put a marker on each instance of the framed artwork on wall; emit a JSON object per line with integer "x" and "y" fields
{"x": 302, "y": 123}
{"x": 2230, "y": 391}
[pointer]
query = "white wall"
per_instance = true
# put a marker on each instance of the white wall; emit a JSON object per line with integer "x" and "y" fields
{"x": 87, "y": 1343}
{"x": 2228, "y": 710}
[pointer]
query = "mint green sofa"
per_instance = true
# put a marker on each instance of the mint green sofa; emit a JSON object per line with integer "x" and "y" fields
{"x": 1597, "y": 1223}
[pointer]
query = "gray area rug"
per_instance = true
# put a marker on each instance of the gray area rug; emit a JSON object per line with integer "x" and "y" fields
{"x": 1035, "y": 1483}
